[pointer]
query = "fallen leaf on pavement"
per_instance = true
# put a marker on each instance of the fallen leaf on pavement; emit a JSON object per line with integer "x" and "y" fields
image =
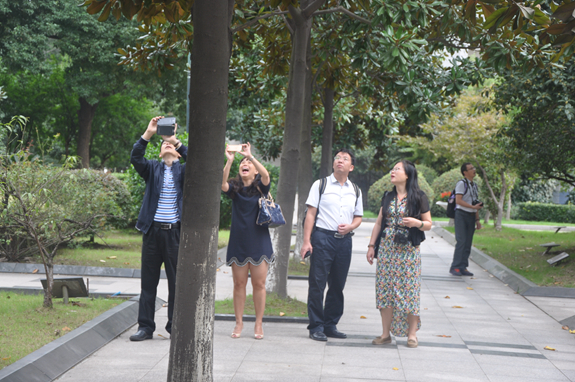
{"x": 164, "y": 305}
{"x": 565, "y": 327}
{"x": 395, "y": 368}
{"x": 66, "y": 329}
{"x": 302, "y": 262}
{"x": 443, "y": 335}
{"x": 447, "y": 297}
{"x": 35, "y": 271}
{"x": 549, "y": 348}
{"x": 457, "y": 307}
{"x": 217, "y": 270}
{"x": 282, "y": 314}
{"x": 159, "y": 335}
{"x": 362, "y": 317}
{"x": 572, "y": 331}
{"x": 225, "y": 272}
{"x": 470, "y": 288}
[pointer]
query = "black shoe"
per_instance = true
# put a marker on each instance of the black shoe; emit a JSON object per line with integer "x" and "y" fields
{"x": 140, "y": 335}
{"x": 465, "y": 272}
{"x": 318, "y": 336}
{"x": 455, "y": 272}
{"x": 335, "y": 334}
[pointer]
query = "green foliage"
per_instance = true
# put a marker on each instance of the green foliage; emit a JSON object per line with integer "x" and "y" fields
{"x": 377, "y": 190}
{"x": 529, "y": 190}
{"x": 428, "y": 173}
{"x": 546, "y": 212}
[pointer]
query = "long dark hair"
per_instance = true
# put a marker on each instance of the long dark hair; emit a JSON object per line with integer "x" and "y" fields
{"x": 237, "y": 184}
{"x": 413, "y": 191}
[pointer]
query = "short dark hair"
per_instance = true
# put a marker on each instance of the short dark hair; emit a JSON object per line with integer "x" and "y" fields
{"x": 346, "y": 151}
{"x": 464, "y": 167}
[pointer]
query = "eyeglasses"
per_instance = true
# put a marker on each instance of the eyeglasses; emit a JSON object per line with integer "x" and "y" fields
{"x": 395, "y": 169}
{"x": 345, "y": 159}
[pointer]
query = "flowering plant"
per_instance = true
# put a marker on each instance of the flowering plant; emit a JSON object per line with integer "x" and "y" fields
{"x": 444, "y": 196}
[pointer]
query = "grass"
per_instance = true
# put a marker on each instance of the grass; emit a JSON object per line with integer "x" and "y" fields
{"x": 296, "y": 268}
{"x": 525, "y": 222}
{"x": 291, "y": 307}
{"x": 119, "y": 249}
{"x": 520, "y": 251}
{"x": 369, "y": 215}
{"x": 26, "y": 326}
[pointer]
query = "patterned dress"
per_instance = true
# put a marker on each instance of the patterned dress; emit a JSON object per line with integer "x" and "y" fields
{"x": 398, "y": 277}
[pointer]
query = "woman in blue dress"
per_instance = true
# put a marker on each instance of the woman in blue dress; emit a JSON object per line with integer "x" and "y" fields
{"x": 250, "y": 247}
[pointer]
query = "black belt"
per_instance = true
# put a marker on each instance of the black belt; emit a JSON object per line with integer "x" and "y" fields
{"x": 334, "y": 233}
{"x": 167, "y": 226}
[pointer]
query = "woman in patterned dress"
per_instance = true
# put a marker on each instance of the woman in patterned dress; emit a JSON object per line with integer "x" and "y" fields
{"x": 250, "y": 247}
{"x": 403, "y": 216}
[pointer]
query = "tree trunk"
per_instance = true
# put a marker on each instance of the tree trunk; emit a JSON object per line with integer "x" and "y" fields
{"x": 327, "y": 139}
{"x": 191, "y": 348}
{"x": 498, "y": 202}
{"x": 85, "y": 118}
{"x": 486, "y": 218}
{"x": 49, "y": 266}
{"x": 508, "y": 213}
{"x": 305, "y": 176}
{"x": 277, "y": 277}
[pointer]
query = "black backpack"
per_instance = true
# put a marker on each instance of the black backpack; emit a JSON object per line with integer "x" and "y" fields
{"x": 322, "y": 185}
{"x": 451, "y": 206}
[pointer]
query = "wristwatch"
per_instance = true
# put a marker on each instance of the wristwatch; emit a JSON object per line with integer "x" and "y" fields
{"x": 371, "y": 245}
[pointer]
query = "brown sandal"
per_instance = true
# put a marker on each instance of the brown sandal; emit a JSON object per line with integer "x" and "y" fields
{"x": 381, "y": 341}
{"x": 412, "y": 343}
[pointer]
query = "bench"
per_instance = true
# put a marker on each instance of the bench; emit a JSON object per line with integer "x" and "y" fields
{"x": 548, "y": 247}
{"x": 559, "y": 228}
{"x": 66, "y": 287}
{"x": 556, "y": 259}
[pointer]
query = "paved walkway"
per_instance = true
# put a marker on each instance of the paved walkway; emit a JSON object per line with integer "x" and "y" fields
{"x": 473, "y": 329}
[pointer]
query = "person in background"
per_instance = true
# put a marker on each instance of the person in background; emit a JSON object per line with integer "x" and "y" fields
{"x": 250, "y": 247}
{"x": 403, "y": 216}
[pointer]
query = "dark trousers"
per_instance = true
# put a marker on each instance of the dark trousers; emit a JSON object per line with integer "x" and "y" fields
{"x": 464, "y": 229}
{"x": 159, "y": 246}
{"x": 329, "y": 263}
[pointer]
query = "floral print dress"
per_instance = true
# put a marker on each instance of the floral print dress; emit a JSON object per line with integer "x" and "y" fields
{"x": 398, "y": 277}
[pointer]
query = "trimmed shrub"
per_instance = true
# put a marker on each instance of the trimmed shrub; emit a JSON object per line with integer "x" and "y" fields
{"x": 534, "y": 211}
{"x": 426, "y": 172}
{"x": 377, "y": 190}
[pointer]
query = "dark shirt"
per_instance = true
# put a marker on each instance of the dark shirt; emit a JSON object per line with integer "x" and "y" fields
{"x": 152, "y": 171}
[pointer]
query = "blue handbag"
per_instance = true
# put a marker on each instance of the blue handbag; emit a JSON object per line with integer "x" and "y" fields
{"x": 270, "y": 214}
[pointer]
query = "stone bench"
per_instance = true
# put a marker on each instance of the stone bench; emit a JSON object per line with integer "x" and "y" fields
{"x": 548, "y": 247}
{"x": 559, "y": 228}
{"x": 556, "y": 259}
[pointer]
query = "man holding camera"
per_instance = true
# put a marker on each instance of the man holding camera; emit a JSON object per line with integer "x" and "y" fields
{"x": 466, "y": 220}
{"x": 159, "y": 221}
{"x": 339, "y": 209}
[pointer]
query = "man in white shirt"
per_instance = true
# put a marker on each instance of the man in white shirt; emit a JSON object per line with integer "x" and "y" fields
{"x": 340, "y": 209}
{"x": 466, "y": 220}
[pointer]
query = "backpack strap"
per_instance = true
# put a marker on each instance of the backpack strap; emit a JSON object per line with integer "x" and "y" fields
{"x": 322, "y": 186}
{"x": 356, "y": 188}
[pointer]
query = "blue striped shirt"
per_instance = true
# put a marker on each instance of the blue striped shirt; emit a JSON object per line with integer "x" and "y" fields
{"x": 167, "y": 211}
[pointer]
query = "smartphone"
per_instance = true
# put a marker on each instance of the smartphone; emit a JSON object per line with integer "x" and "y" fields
{"x": 167, "y": 126}
{"x": 234, "y": 148}
{"x": 307, "y": 254}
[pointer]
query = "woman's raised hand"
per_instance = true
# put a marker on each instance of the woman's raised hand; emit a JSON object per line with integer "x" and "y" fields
{"x": 230, "y": 155}
{"x": 246, "y": 150}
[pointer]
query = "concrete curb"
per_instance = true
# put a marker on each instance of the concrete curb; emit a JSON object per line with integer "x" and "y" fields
{"x": 515, "y": 281}
{"x": 57, "y": 357}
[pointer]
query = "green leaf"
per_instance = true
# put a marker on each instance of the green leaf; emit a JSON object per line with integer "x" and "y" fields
{"x": 491, "y": 20}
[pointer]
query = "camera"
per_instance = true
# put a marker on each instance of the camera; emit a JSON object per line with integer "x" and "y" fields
{"x": 167, "y": 126}
{"x": 401, "y": 236}
{"x": 475, "y": 202}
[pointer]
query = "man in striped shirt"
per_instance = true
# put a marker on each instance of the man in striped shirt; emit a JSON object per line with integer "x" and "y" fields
{"x": 159, "y": 221}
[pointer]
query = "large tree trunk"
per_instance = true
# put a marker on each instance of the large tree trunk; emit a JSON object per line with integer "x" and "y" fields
{"x": 85, "y": 118}
{"x": 327, "y": 139}
{"x": 287, "y": 184}
{"x": 191, "y": 348}
{"x": 305, "y": 176}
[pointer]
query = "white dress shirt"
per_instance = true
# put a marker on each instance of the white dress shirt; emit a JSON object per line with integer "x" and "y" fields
{"x": 337, "y": 205}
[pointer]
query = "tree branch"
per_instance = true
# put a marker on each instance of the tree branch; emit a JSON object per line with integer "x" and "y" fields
{"x": 287, "y": 23}
{"x": 343, "y": 10}
{"x": 256, "y": 19}
{"x": 311, "y": 8}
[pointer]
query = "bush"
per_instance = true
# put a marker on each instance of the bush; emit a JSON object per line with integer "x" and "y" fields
{"x": 377, "y": 190}
{"x": 533, "y": 190}
{"x": 428, "y": 173}
{"x": 558, "y": 213}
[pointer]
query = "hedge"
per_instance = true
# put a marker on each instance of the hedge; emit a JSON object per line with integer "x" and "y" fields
{"x": 534, "y": 211}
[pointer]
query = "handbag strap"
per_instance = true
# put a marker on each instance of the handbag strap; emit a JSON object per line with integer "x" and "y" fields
{"x": 268, "y": 196}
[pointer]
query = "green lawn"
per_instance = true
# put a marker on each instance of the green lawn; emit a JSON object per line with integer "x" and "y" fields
{"x": 526, "y": 222}
{"x": 26, "y": 326}
{"x": 520, "y": 251}
{"x": 118, "y": 249}
{"x": 369, "y": 215}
